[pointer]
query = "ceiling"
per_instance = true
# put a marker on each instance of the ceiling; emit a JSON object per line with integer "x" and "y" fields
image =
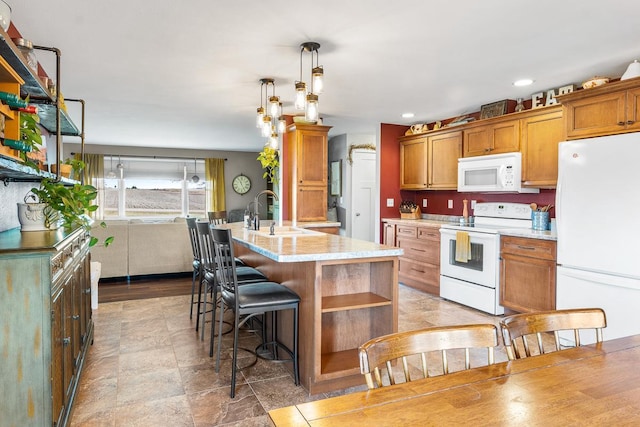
{"x": 158, "y": 73}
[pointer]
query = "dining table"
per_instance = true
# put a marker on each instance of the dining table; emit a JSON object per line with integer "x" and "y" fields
{"x": 595, "y": 384}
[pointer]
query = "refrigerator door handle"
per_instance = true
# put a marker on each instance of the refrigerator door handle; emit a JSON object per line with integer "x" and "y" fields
{"x": 600, "y": 278}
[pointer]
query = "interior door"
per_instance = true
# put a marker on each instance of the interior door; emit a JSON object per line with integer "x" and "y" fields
{"x": 363, "y": 195}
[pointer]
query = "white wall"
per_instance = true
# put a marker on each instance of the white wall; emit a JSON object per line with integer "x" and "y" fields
{"x": 339, "y": 149}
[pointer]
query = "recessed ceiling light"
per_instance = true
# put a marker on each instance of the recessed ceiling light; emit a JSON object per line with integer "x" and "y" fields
{"x": 407, "y": 115}
{"x": 523, "y": 82}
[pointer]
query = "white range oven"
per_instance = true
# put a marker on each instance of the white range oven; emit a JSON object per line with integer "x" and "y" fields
{"x": 474, "y": 278}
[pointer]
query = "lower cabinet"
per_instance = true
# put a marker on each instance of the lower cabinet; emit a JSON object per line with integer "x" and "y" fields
{"x": 528, "y": 274}
{"x": 47, "y": 324}
{"x": 420, "y": 265}
{"x": 388, "y": 234}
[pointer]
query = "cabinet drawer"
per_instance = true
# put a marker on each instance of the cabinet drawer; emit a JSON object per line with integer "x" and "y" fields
{"x": 419, "y": 273}
{"x": 422, "y": 251}
{"x": 429, "y": 233}
{"x": 534, "y": 248}
{"x": 406, "y": 231}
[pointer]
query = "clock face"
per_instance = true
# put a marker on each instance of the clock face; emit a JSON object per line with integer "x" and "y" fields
{"x": 241, "y": 184}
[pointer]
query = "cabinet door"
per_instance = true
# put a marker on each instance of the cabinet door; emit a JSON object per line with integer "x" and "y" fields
{"x": 527, "y": 284}
{"x": 539, "y": 145}
{"x": 476, "y": 141}
{"x": 312, "y": 203}
{"x": 67, "y": 339}
{"x": 596, "y": 115}
{"x": 389, "y": 234}
{"x": 444, "y": 151}
{"x": 633, "y": 109}
{"x": 413, "y": 164}
{"x": 57, "y": 357}
{"x": 312, "y": 158}
{"x": 505, "y": 137}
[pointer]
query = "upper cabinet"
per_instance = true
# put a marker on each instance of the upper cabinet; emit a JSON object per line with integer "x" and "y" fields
{"x": 430, "y": 161}
{"x": 307, "y": 153}
{"x": 604, "y": 110}
{"x": 540, "y": 132}
{"x": 494, "y": 137}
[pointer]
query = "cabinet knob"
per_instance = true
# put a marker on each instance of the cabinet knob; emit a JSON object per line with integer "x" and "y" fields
{"x": 66, "y": 341}
{"x": 87, "y": 291}
{"x": 75, "y": 317}
{"x": 630, "y": 122}
{"x": 620, "y": 123}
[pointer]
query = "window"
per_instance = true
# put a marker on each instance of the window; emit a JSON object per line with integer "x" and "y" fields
{"x": 150, "y": 187}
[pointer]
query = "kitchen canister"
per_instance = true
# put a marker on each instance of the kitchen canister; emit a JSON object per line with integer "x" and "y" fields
{"x": 540, "y": 220}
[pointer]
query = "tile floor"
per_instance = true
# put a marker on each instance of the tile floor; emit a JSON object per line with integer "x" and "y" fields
{"x": 148, "y": 367}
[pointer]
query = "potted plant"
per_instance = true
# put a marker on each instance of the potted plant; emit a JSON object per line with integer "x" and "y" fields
{"x": 70, "y": 206}
{"x": 269, "y": 160}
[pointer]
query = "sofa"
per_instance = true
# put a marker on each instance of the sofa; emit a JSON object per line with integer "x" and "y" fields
{"x": 142, "y": 247}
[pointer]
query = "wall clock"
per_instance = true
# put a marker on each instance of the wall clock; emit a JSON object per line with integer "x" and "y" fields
{"x": 241, "y": 184}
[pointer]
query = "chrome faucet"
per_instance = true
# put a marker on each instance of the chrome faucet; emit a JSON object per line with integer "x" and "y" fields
{"x": 256, "y": 206}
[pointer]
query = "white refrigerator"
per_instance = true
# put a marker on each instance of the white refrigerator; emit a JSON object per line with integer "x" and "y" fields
{"x": 597, "y": 218}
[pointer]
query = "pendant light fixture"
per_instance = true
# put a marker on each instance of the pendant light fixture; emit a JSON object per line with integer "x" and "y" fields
{"x": 308, "y": 100}
{"x": 269, "y": 119}
{"x": 195, "y": 178}
{"x": 120, "y": 168}
{"x": 111, "y": 174}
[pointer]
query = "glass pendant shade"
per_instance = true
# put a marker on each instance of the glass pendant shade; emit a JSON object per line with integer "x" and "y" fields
{"x": 311, "y": 110}
{"x": 259, "y": 117}
{"x": 300, "y": 101}
{"x": 317, "y": 75}
{"x": 274, "y": 106}
{"x": 273, "y": 141}
{"x": 282, "y": 125}
{"x": 266, "y": 126}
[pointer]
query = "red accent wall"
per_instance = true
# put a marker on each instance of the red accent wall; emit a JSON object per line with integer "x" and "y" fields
{"x": 436, "y": 199}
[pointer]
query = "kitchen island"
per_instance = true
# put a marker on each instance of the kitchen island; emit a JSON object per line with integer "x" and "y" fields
{"x": 348, "y": 292}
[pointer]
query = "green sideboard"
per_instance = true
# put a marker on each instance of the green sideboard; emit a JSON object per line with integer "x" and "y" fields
{"x": 45, "y": 301}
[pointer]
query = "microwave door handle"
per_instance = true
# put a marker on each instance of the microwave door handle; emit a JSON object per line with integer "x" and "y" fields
{"x": 501, "y": 176}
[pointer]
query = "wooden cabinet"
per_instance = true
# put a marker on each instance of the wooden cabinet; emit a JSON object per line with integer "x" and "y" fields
{"x": 413, "y": 163}
{"x": 430, "y": 162}
{"x": 528, "y": 274}
{"x": 541, "y": 131}
{"x": 388, "y": 234}
{"x": 46, "y": 321}
{"x": 308, "y": 153}
{"x": 420, "y": 265}
{"x": 609, "y": 109}
{"x": 494, "y": 137}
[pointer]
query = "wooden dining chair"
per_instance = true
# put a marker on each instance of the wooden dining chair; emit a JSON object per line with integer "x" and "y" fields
{"x": 519, "y": 329}
{"x": 217, "y": 217}
{"x": 379, "y": 353}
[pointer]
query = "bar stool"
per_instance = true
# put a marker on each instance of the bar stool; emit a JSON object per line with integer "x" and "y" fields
{"x": 245, "y": 275}
{"x": 197, "y": 266}
{"x": 249, "y": 300}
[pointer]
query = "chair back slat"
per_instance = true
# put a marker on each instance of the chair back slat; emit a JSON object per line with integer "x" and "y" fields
{"x": 519, "y": 329}
{"x": 193, "y": 237}
{"x": 381, "y": 352}
{"x": 224, "y": 257}
{"x": 207, "y": 255}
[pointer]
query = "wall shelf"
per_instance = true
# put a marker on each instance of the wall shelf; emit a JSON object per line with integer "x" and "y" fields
{"x": 12, "y": 171}
{"x": 33, "y": 86}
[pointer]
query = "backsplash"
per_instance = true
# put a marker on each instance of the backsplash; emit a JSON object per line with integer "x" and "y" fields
{"x": 10, "y": 195}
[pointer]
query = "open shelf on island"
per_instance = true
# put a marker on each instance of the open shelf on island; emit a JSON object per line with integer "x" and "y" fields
{"x": 344, "y": 362}
{"x": 353, "y": 302}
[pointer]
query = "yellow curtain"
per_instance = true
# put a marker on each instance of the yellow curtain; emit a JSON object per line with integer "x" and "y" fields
{"x": 93, "y": 174}
{"x": 215, "y": 195}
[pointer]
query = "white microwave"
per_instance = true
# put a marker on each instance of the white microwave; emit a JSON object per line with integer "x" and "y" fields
{"x": 501, "y": 173}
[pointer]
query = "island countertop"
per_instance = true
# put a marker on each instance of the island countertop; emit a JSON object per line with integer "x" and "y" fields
{"x": 296, "y": 244}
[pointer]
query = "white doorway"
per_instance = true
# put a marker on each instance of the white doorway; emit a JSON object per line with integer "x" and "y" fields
{"x": 363, "y": 186}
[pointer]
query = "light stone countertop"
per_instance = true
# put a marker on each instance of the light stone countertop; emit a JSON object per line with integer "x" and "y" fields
{"x": 294, "y": 244}
{"x": 516, "y": 232}
{"x": 529, "y": 233}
